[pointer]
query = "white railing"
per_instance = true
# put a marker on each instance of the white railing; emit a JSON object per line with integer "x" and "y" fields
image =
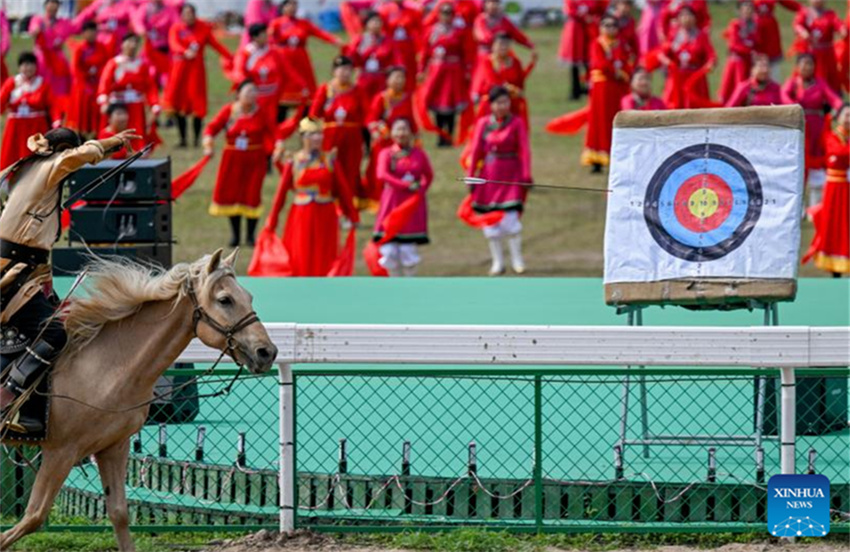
{"x": 787, "y": 348}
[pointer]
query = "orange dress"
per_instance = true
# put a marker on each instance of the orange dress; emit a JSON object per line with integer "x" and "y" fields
{"x": 311, "y": 235}
{"x": 239, "y": 184}
{"x": 186, "y": 91}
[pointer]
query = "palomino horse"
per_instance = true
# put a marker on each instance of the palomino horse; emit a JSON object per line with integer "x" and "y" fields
{"x": 129, "y": 328}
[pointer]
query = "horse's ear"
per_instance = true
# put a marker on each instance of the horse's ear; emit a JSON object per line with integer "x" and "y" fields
{"x": 214, "y": 261}
{"x": 230, "y": 260}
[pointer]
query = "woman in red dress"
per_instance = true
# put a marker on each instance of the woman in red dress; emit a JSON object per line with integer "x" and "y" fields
{"x": 770, "y": 39}
{"x": 404, "y": 26}
{"x": 127, "y": 79}
{"x": 186, "y": 92}
{"x": 670, "y": 15}
{"x": 239, "y": 184}
{"x": 610, "y": 74}
{"x": 372, "y": 54}
{"x": 339, "y": 104}
{"x": 580, "y": 29}
{"x": 759, "y": 89}
{"x": 501, "y": 152}
{"x": 317, "y": 180}
{"x": 742, "y": 37}
{"x": 28, "y": 101}
{"x": 404, "y": 171}
{"x": 814, "y": 95}
{"x": 641, "y": 98}
{"x": 117, "y": 118}
{"x": 389, "y": 106}
{"x": 504, "y": 68}
{"x": 488, "y": 24}
{"x": 264, "y": 66}
{"x": 688, "y": 55}
{"x": 87, "y": 63}
{"x": 831, "y": 244}
{"x": 290, "y": 34}
{"x": 443, "y": 69}
{"x": 817, "y": 27}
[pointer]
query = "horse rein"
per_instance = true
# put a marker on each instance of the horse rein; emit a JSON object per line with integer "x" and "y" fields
{"x": 200, "y": 315}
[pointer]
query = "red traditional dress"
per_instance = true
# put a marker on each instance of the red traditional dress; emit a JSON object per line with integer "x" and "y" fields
{"x": 581, "y": 28}
{"x": 29, "y": 104}
{"x": 446, "y": 67}
{"x": 484, "y": 31}
{"x": 813, "y": 96}
{"x": 465, "y": 13}
{"x": 500, "y": 151}
{"x": 239, "y": 184}
{"x": 128, "y": 81}
{"x": 770, "y": 39}
{"x": 311, "y": 235}
{"x": 743, "y": 39}
{"x": 842, "y": 53}
{"x": 186, "y": 92}
{"x": 290, "y": 35}
{"x": 627, "y": 34}
{"x": 87, "y": 63}
{"x": 691, "y": 54}
{"x": 822, "y": 27}
{"x": 341, "y": 108}
{"x": 107, "y": 132}
{"x": 398, "y": 169}
{"x": 671, "y": 12}
{"x": 267, "y": 70}
{"x": 372, "y": 55}
{"x": 154, "y": 22}
{"x": 610, "y": 71}
{"x": 752, "y": 92}
{"x": 831, "y": 244}
{"x": 403, "y": 24}
{"x": 387, "y": 107}
{"x": 49, "y": 38}
{"x": 634, "y": 101}
{"x": 113, "y": 18}
{"x": 507, "y": 72}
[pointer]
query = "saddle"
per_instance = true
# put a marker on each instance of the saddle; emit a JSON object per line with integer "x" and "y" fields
{"x": 38, "y": 404}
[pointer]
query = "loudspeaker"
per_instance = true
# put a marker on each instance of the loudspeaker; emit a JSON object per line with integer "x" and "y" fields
{"x": 143, "y": 180}
{"x": 70, "y": 260}
{"x": 121, "y": 223}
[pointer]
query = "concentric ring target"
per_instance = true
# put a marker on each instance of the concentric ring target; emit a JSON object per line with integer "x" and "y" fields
{"x": 703, "y": 202}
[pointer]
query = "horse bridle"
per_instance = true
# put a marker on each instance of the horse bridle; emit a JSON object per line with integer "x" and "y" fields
{"x": 200, "y": 315}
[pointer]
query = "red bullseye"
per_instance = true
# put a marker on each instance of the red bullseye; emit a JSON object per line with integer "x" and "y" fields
{"x": 703, "y": 202}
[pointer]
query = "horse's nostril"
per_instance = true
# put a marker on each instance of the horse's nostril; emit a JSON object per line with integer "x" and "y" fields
{"x": 265, "y": 354}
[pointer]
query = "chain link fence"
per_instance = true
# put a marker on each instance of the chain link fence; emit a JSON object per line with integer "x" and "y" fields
{"x": 609, "y": 449}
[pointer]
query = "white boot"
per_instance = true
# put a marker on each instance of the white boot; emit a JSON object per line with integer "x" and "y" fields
{"x": 515, "y": 247}
{"x": 498, "y": 266}
{"x": 408, "y": 271}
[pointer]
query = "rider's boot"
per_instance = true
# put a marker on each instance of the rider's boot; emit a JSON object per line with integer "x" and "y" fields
{"x": 23, "y": 373}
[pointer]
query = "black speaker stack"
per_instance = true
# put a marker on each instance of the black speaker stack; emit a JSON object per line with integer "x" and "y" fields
{"x": 129, "y": 216}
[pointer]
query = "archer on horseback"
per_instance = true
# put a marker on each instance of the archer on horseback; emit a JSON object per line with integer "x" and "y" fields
{"x": 32, "y": 335}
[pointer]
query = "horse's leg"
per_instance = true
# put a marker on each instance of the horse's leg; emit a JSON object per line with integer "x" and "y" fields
{"x": 55, "y": 466}
{"x": 112, "y": 463}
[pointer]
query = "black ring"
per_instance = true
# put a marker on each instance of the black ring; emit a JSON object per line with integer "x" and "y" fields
{"x": 739, "y": 235}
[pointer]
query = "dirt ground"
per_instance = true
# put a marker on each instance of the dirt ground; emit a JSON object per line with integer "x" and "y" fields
{"x": 266, "y": 541}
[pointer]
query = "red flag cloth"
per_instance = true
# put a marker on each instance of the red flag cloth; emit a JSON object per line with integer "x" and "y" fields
{"x": 344, "y": 264}
{"x": 270, "y": 257}
{"x": 467, "y": 214}
{"x": 569, "y": 123}
{"x": 695, "y": 100}
{"x": 66, "y": 214}
{"x": 393, "y": 223}
{"x": 423, "y": 118}
{"x": 185, "y": 180}
{"x": 351, "y": 20}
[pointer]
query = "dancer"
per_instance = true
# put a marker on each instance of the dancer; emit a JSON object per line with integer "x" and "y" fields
{"x": 817, "y": 27}
{"x": 759, "y": 89}
{"x": 88, "y": 60}
{"x": 581, "y": 24}
{"x": 743, "y": 39}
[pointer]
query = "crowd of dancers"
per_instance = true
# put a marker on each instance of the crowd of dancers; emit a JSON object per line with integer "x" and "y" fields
{"x": 446, "y": 67}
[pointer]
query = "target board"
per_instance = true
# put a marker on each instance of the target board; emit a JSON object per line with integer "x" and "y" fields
{"x": 705, "y": 205}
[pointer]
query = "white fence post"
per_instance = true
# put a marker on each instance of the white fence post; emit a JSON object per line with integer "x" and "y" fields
{"x": 287, "y": 448}
{"x": 788, "y": 435}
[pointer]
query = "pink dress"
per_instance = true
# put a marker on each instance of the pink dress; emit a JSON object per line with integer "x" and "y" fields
{"x": 397, "y": 169}
{"x": 5, "y": 44}
{"x": 751, "y": 92}
{"x": 649, "y": 28}
{"x": 633, "y": 101}
{"x": 50, "y": 37}
{"x": 500, "y": 151}
{"x": 812, "y": 96}
{"x": 153, "y": 22}
{"x": 257, "y": 11}
{"x": 113, "y": 18}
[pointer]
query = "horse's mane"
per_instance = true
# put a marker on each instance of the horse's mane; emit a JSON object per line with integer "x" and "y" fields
{"x": 116, "y": 288}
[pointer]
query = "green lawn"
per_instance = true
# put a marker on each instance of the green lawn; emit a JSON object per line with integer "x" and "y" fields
{"x": 563, "y": 230}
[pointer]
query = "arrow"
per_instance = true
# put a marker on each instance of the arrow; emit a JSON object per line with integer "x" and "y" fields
{"x": 475, "y": 181}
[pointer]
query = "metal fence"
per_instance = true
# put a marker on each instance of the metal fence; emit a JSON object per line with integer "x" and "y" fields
{"x": 522, "y": 443}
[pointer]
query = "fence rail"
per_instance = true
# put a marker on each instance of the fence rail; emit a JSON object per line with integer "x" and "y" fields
{"x": 574, "y": 428}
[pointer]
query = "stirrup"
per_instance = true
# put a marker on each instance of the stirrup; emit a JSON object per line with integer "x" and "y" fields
{"x": 13, "y": 424}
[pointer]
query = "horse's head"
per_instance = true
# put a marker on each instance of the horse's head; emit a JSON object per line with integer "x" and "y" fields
{"x": 224, "y": 318}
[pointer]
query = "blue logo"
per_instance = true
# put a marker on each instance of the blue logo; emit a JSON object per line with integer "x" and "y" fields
{"x": 798, "y": 506}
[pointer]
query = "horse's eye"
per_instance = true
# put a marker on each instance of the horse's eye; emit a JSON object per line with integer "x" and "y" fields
{"x": 225, "y": 301}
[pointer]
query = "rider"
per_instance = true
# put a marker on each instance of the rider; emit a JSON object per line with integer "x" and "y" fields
{"x": 29, "y": 226}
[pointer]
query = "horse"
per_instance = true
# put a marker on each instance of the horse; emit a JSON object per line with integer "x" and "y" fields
{"x": 130, "y": 326}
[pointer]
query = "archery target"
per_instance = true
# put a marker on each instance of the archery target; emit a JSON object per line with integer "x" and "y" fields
{"x": 703, "y": 202}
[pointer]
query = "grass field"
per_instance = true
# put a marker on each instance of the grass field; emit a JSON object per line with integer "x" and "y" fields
{"x": 563, "y": 230}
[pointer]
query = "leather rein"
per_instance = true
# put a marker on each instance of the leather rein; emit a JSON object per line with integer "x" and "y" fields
{"x": 200, "y": 315}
